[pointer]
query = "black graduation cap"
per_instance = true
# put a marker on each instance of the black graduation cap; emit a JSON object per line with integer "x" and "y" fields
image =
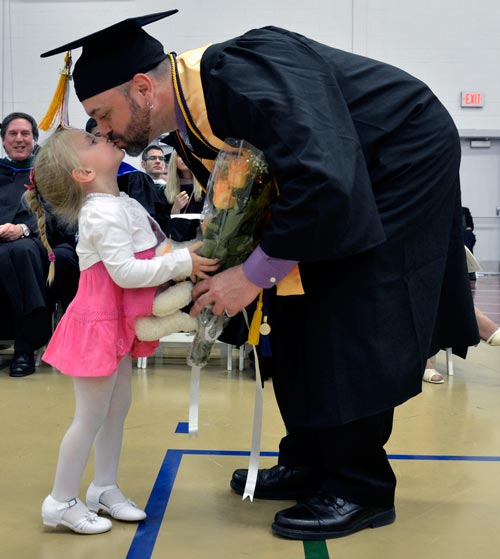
{"x": 112, "y": 56}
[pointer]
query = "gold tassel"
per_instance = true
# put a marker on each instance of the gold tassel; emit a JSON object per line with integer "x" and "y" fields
{"x": 58, "y": 105}
{"x": 253, "y": 331}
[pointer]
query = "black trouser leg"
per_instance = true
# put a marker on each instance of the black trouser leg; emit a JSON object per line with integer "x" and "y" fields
{"x": 32, "y": 331}
{"x": 351, "y": 458}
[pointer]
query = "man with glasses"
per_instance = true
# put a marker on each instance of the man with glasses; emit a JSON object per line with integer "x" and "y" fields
{"x": 154, "y": 163}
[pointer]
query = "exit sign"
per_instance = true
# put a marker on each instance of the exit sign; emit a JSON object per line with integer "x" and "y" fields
{"x": 472, "y": 99}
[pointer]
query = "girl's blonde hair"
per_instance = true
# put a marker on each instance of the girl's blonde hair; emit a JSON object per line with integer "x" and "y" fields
{"x": 53, "y": 184}
{"x": 173, "y": 185}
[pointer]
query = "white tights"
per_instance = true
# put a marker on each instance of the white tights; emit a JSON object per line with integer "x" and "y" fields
{"x": 102, "y": 404}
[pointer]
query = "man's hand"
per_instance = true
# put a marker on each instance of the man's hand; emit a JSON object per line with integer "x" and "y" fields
{"x": 10, "y": 232}
{"x": 229, "y": 291}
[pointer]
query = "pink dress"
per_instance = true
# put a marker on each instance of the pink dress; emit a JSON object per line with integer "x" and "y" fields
{"x": 97, "y": 330}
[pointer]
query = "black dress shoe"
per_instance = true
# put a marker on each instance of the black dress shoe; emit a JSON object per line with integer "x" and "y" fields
{"x": 280, "y": 483}
{"x": 325, "y": 516}
{"x": 22, "y": 364}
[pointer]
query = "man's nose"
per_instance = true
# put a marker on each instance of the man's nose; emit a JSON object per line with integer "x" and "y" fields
{"x": 104, "y": 130}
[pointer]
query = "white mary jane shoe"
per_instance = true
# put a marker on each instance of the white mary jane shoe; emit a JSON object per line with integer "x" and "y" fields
{"x": 125, "y": 510}
{"x": 53, "y": 514}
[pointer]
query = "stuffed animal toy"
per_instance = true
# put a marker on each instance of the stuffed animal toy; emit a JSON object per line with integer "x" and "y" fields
{"x": 167, "y": 318}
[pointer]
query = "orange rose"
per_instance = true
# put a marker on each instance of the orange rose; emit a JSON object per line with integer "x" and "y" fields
{"x": 223, "y": 195}
{"x": 237, "y": 173}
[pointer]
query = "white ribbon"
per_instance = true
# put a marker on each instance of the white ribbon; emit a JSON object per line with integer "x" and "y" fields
{"x": 253, "y": 465}
{"x": 194, "y": 398}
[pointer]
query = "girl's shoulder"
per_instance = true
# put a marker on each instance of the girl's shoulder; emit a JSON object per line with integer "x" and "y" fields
{"x": 103, "y": 208}
{"x": 133, "y": 207}
{"x": 121, "y": 210}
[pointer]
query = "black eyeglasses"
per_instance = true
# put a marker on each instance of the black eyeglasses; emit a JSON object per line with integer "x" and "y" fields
{"x": 155, "y": 157}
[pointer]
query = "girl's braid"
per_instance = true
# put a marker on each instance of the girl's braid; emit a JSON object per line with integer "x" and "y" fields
{"x": 36, "y": 206}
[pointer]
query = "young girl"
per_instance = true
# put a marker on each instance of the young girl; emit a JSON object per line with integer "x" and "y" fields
{"x": 75, "y": 173}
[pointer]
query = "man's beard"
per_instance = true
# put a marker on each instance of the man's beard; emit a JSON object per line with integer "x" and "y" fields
{"x": 136, "y": 135}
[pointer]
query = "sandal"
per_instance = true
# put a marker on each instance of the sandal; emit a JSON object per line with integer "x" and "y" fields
{"x": 429, "y": 375}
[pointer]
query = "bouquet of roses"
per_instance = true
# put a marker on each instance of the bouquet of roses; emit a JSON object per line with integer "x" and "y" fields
{"x": 235, "y": 210}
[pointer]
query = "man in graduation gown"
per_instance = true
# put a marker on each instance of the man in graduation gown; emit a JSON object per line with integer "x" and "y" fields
{"x": 366, "y": 161}
{"x": 26, "y": 301}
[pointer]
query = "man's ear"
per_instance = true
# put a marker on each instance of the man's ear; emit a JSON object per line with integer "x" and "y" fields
{"x": 143, "y": 164}
{"x": 83, "y": 175}
{"x": 143, "y": 84}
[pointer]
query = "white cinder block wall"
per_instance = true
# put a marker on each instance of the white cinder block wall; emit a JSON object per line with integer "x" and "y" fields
{"x": 453, "y": 45}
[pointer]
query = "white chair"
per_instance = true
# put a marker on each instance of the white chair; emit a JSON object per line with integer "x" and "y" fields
{"x": 241, "y": 357}
{"x": 182, "y": 339}
{"x": 449, "y": 362}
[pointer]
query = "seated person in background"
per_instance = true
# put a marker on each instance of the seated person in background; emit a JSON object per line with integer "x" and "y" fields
{"x": 26, "y": 304}
{"x": 140, "y": 186}
{"x": 185, "y": 196}
{"x": 489, "y": 332}
{"x": 469, "y": 236}
{"x": 468, "y": 225}
{"x": 154, "y": 163}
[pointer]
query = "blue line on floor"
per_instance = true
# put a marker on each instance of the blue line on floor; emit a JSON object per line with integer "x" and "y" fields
{"x": 147, "y": 532}
{"x": 440, "y": 457}
{"x": 182, "y": 427}
{"x": 226, "y": 452}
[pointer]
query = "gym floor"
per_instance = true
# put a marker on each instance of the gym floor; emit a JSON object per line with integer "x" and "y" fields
{"x": 445, "y": 450}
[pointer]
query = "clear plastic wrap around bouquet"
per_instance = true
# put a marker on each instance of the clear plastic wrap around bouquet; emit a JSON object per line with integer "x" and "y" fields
{"x": 233, "y": 216}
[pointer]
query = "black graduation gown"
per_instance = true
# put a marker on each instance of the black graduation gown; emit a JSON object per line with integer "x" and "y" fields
{"x": 367, "y": 163}
{"x": 181, "y": 229}
{"x": 23, "y": 264}
{"x": 140, "y": 186}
